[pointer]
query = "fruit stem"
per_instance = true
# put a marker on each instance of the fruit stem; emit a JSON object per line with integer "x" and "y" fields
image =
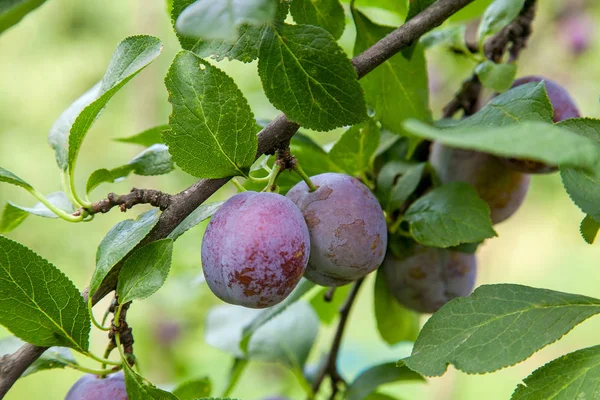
{"x": 273, "y": 177}
{"x": 238, "y": 185}
{"x": 298, "y": 169}
{"x": 94, "y": 321}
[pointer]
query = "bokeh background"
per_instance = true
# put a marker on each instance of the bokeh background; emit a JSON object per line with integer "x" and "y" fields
{"x": 62, "y": 49}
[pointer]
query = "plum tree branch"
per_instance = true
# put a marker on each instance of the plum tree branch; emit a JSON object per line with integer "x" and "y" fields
{"x": 279, "y": 131}
{"x": 329, "y": 366}
{"x": 153, "y": 197}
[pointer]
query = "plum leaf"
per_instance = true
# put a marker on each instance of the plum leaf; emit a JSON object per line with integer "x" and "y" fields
{"x": 8, "y": 177}
{"x": 14, "y": 214}
{"x": 307, "y": 75}
{"x": 53, "y": 358}
{"x": 11, "y": 12}
{"x": 203, "y": 212}
{"x": 328, "y": 14}
{"x": 219, "y": 20}
{"x": 450, "y": 215}
{"x": 573, "y": 376}
{"x": 395, "y": 323}
{"x": 496, "y": 76}
{"x": 213, "y": 131}
{"x": 146, "y": 137}
{"x": 193, "y": 389}
{"x": 118, "y": 242}
{"x": 499, "y": 14}
{"x": 67, "y": 134}
{"x": 140, "y": 389}
{"x": 589, "y": 229}
{"x": 145, "y": 271}
{"x": 583, "y": 186}
{"x": 38, "y": 303}
{"x": 491, "y": 329}
{"x": 355, "y": 149}
{"x": 371, "y": 379}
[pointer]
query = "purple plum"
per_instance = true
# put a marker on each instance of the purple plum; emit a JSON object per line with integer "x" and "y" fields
{"x": 91, "y": 387}
{"x": 429, "y": 277}
{"x": 348, "y": 232}
{"x": 502, "y": 188}
{"x": 255, "y": 249}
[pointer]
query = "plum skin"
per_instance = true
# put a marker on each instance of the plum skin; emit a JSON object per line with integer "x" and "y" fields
{"x": 348, "y": 231}
{"x": 502, "y": 188}
{"x": 255, "y": 249}
{"x": 427, "y": 278}
{"x": 91, "y": 387}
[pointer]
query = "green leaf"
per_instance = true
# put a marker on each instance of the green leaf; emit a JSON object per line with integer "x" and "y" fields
{"x": 193, "y": 389}
{"x": 583, "y": 186}
{"x": 8, "y": 177}
{"x": 38, "y": 303}
{"x": 496, "y": 76}
{"x": 264, "y": 316}
{"x": 452, "y": 37}
{"x": 328, "y": 310}
{"x": 146, "y": 138}
{"x": 397, "y": 6}
{"x": 57, "y": 199}
{"x": 371, "y": 379}
{"x": 380, "y": 396}
{"x": 527, "y": 102}
{"x": 67, "y": 134}
{"x": 307, "y": 75}
{"x": 140, "y": 389}
{"x": 499, "y": 14}
{"x": 589, "y": 229}
{"x": 397, "y": 90}
{"x": 496, "y": 327}
{"x": 450, "y": 215}
{"x": 328, "y": 14}
{"x": 244, "y": 49}
{"x": 219, "y": 20}
{"x": 404, "y": 187}
{"x": 12, "y": 217}
{"x": 416, "y": 6}
{"x": 395, "y": 323}
{"x": 538, "y": 141}
{"x": 145, "y": 271}
{"x": 118, "y": 242}
{"x": 53, "y": 358}
{"x": 573, "y": 376}
{"x": 213, "y": 132}
{"x": 287, "y": 338}
{"x": 155, "y": 160}
{"x": 13, "y": 11}
{"x": 203, "y": 212}
{"x": 388, "y": 176}
{"x": 354, "y": 151}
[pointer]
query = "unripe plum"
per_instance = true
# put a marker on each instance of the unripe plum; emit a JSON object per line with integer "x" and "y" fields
{"x": 502, "y": 188}
{"x": 255, "y": 249}
{"x": 91, "y": 387}
{"x": 564, "y": 108}
{"x": 428, "y": 277}
{"x": 348, "y": 232}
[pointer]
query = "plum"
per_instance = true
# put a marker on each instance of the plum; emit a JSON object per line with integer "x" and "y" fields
{"x": 255, "y": 249}
{"x": 348, "y": 232}
{"x": 564, "y": 108}
{"x": 427, "y": 278}
{"x": 91, "y": 387}
{"x": 502, "y": 188}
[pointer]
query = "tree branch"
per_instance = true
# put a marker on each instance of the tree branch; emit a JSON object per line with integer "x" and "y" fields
{"x": 278, "y": 131}
{"x": 153, "y": 197}
{"x": 329, "y": 366}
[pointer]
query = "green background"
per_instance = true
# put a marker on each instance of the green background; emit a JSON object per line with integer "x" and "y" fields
{"x": 63, "y": 48}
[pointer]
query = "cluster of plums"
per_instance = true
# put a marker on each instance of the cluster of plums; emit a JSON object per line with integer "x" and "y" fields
{"x": 257, "y": 246}
{"x": 424, "y": 278}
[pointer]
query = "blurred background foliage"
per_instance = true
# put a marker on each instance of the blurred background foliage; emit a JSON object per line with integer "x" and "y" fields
{"x": 63, "y": 48}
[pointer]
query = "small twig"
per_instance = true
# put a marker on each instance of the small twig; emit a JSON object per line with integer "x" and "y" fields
{"x": 329, "y": 294}
{"x": 329, "y": 366}
{"x": 120, "y": 327}
{"x": 153, "y": 197}
{"x": 513, "y": 38}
